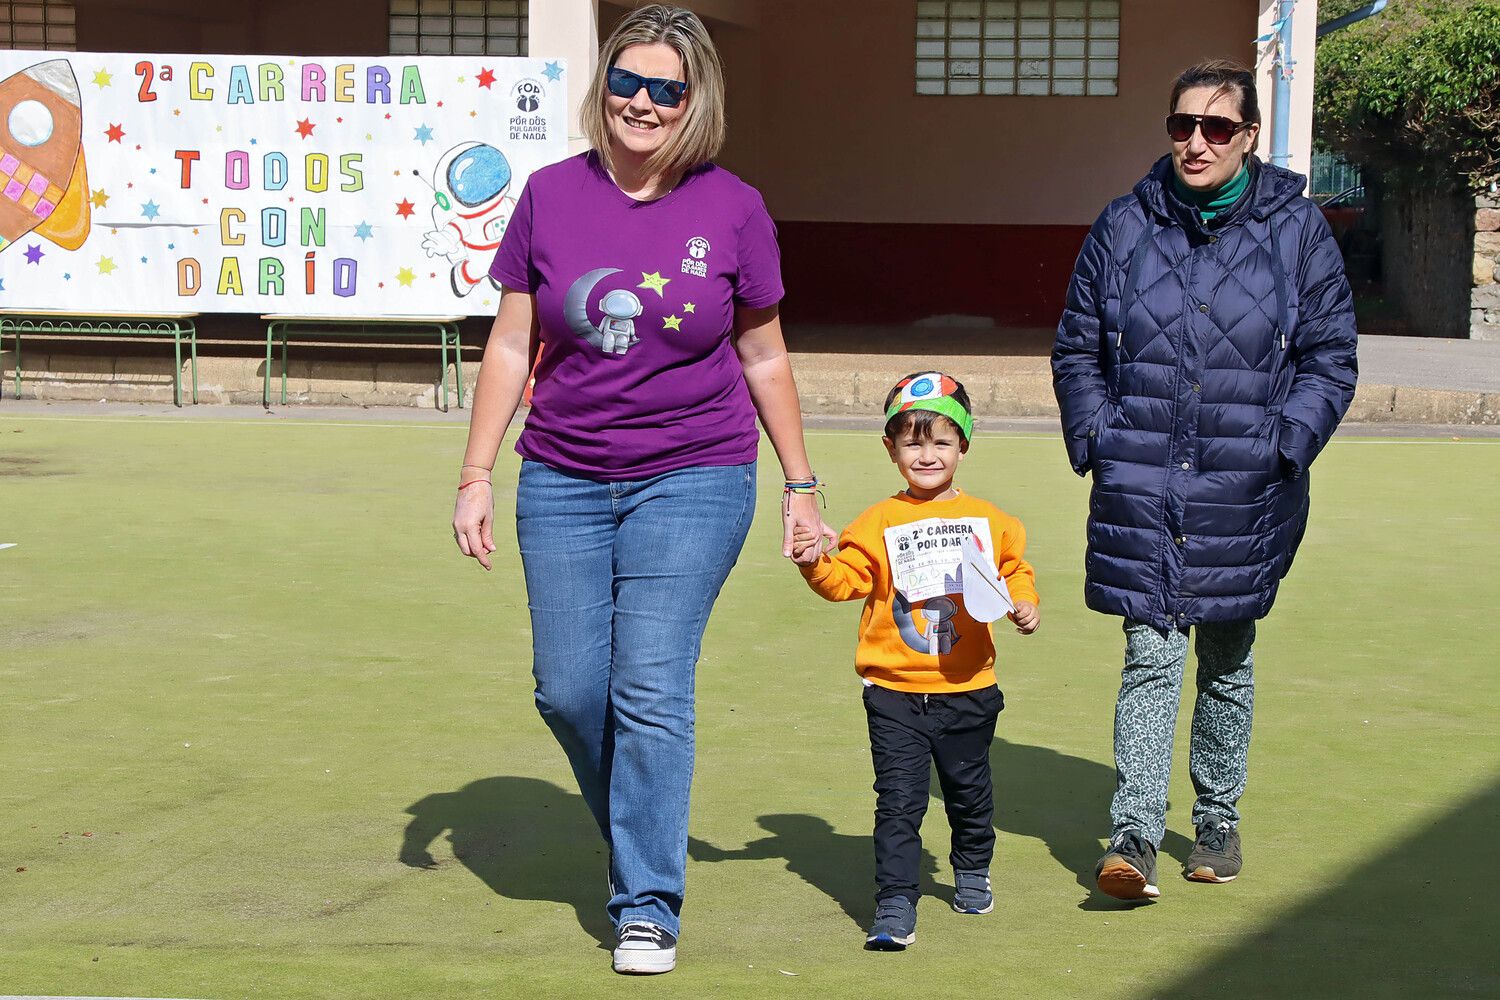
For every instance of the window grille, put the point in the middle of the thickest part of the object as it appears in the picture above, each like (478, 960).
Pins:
(39, 24)
(459, 27)
(1018, 47)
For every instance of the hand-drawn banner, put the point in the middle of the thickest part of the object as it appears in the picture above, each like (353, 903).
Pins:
(343, 186)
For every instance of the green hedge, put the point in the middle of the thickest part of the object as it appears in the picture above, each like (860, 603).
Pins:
(1415, 91)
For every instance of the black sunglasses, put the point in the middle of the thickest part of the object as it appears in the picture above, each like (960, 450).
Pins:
(667, 93)
(1216, 128)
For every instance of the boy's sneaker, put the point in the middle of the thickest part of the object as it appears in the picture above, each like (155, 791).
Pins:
(645, 949)
(1128, 868)
(1216, 855)
(895, 925)
(971, 891)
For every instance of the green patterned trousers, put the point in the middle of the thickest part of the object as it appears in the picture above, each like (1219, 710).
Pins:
(1146, 719)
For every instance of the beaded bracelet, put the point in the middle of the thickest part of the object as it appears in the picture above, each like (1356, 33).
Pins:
(812, 486)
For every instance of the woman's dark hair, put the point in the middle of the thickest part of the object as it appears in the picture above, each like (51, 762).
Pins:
(1225, 76)
(921, 422)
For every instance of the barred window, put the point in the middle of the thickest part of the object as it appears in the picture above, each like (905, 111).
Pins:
(459, 27)
(40, 24)
(1026, 47)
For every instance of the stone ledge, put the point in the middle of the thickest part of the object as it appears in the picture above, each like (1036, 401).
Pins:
(1002, 387)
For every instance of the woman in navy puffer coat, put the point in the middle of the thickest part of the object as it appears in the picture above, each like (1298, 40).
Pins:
(1205, 357)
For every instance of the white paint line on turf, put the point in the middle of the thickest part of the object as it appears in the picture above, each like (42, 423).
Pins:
(7, 545)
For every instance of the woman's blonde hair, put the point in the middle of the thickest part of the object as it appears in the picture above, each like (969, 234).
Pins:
(699, 134)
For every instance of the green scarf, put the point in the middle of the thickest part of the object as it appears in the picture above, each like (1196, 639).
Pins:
(1212, 203)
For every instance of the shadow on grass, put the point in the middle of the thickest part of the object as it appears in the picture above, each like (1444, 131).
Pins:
(1053, 797)
(1418, 920)
(1063, 801)
(838, 864)
(524, 838)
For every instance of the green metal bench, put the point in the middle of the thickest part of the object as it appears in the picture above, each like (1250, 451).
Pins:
(41, 322)
(309, 327)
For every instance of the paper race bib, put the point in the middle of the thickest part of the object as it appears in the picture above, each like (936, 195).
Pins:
(926, 555)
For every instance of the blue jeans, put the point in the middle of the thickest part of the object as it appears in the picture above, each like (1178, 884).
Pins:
(620, 578)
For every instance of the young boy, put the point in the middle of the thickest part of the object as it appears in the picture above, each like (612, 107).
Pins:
(928, 666)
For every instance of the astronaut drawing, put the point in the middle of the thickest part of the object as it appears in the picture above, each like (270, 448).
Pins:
(939, 636)
(470, 212)
(616, 333)
(620, 308)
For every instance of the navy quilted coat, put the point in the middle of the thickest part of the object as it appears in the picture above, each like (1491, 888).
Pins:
(1200, 370)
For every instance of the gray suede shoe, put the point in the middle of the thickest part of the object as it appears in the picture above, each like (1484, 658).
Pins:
(1128, 868)
(1216, 854)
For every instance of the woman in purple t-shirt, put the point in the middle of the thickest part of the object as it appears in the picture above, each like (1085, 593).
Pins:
(653, 277)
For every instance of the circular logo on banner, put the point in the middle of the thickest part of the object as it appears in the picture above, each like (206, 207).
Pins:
(528, 95)
(922, 387)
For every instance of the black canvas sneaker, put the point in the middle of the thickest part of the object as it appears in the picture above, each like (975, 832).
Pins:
(645, 949)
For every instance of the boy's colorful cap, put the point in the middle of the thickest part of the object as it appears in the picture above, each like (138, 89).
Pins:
(932, 391)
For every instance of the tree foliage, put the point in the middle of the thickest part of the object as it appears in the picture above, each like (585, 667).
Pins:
(1415, 91)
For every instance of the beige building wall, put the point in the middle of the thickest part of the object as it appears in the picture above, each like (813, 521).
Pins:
(844, 138)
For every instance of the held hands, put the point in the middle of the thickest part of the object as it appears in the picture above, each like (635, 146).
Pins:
(474, 520)
(1026, 616)
(807, 545)
(800, 519)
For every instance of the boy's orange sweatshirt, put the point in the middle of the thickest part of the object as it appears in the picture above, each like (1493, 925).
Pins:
(896, 637)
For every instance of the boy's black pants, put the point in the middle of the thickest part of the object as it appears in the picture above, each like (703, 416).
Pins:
(908, 733)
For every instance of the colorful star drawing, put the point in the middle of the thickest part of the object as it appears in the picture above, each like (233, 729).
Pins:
(405, 277)
(487, 79)
(34, 254)
(404, 208)
(654, 281)
(305, 127)
(424, 134)
(151, 210)
(553, 72)
(115, 132)
(689, 307)
(363, 231)
(105, 265)
(671, 323)
(102, 78)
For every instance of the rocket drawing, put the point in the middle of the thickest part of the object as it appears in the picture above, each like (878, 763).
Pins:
(43, 183)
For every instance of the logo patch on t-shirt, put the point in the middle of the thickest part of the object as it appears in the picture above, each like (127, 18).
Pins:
(696, 263)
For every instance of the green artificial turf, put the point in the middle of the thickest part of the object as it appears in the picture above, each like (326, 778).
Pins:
(251, 691)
